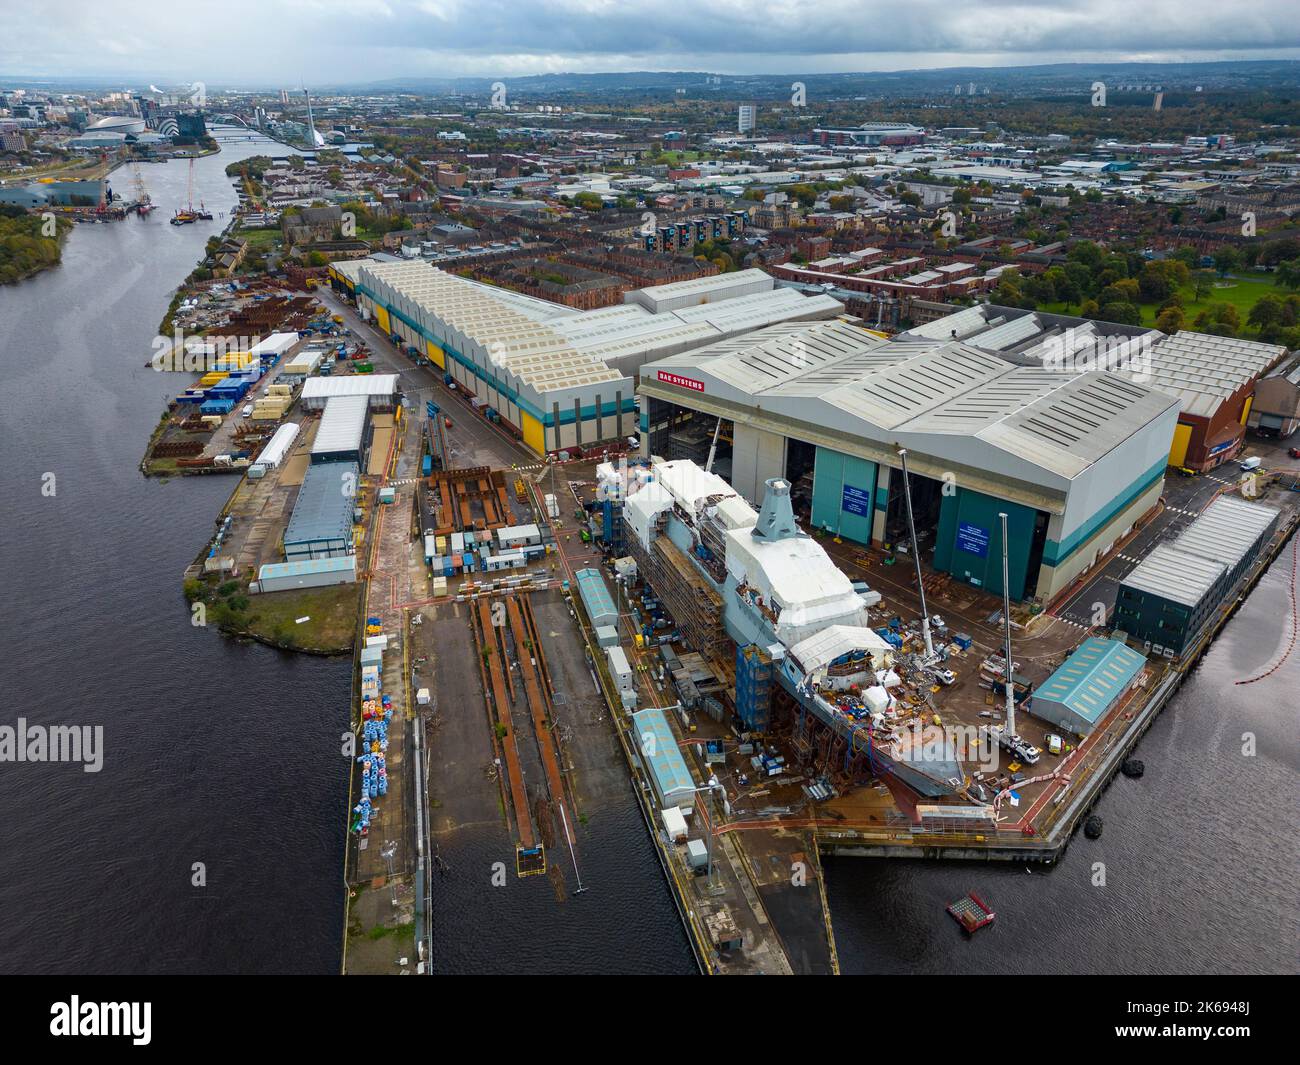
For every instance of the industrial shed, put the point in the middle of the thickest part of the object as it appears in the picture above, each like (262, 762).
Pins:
(673, 783)
(1091, 681)
(380, 390)
(1276, 410)
(1074, 458)
(1214, 378)
(344, 433)
(306, 573)
(561, 377)
(1168, 598)
(321, 523)
(596, 599)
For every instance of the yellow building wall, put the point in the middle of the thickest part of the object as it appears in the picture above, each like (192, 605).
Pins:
(1182, 437)
(436, 353)
(381, 319)
(534, 435)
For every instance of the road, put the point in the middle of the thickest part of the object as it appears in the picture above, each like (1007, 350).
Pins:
(1184, 498)
(473, 440)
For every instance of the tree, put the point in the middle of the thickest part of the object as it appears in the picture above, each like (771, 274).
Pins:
(1266, 312)
(1170, 320)
(1288, 274)
(1225, 259)
(1153, 283)
(1121, 312)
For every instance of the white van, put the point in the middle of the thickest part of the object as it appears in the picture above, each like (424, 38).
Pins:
(247, 412)
(1252, 463)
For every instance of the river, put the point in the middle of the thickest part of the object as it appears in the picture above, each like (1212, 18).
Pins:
(1199, 857)
(215, 752)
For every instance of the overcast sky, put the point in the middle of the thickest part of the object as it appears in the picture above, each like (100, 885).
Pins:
(232, 43)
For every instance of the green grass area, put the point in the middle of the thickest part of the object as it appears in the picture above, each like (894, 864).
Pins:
(260, 239)
(677, 158)
(333, 613)
(331, 627)
(1242, 292)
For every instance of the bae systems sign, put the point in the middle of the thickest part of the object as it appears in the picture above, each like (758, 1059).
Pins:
(681, 382)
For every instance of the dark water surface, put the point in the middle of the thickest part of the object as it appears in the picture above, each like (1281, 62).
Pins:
(1200, 854)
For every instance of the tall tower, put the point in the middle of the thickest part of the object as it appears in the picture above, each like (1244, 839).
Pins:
(314, 137)
(747, 118)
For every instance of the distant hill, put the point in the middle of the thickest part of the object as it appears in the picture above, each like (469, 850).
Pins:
(1254, 74)
(1020, 80)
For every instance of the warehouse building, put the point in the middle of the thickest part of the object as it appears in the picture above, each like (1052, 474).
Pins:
(381, 390)
(1073, 458)
(673, 783)
(345, 431)
(1213, 378)
(321, 523)
(306, 573)
(278, 447)
(562, 378)
(1276, 410)
(596, 598)
(1168, 599)
(1088, 684)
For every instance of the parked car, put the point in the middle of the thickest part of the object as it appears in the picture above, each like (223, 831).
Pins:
(1294, 452)
(247, 412)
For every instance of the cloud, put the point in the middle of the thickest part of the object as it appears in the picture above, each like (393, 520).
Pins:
(339, 41)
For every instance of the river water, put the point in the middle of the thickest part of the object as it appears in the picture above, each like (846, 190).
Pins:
(1199, 856)
(215, 752)
(226, 754)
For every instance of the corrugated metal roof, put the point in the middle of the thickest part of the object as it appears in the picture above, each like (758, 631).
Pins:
(955, 326)
(595, 595)
(1187, 567)
(659, 747)
(1059, 419)
(1227, 529)
(303, 566)
(1176, 575)
(1203, 370)
(1092, 678)
(1009, 334)
(323, 509)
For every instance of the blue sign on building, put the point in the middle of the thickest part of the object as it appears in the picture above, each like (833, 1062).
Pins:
(973, 539)
(856, 501)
